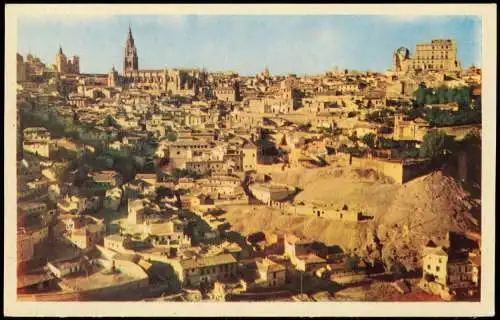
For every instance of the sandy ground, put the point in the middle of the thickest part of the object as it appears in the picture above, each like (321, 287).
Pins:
(246, 219)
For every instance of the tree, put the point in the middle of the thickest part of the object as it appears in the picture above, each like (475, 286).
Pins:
(369, 139)
(430, 99)
(354, 136)
(463, 97)
(420, 94)
(125, 166)
(441, 95)
(437, 145)
(450, 95)
(109, 121)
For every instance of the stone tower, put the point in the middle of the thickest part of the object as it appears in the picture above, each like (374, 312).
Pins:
(76, 64)
(61, 61)
(65, 65)
(113, 80)
(130, 60)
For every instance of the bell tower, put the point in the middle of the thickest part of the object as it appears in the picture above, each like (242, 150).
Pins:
(130, 60)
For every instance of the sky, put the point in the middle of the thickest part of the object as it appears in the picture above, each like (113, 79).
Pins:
(301, 44)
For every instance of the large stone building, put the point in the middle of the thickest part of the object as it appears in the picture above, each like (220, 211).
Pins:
(21, 68)
(411, 130)
(446, 272)
(65, 65)
(37, 141)
(438, 55)
(30, 68)
(176, 81)
(206, 269)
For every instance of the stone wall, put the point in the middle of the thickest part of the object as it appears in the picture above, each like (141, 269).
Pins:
(399, 171)
(231, 202)
(316, 211)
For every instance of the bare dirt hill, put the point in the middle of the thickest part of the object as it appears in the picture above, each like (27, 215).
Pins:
(425, 208)
(246, 220)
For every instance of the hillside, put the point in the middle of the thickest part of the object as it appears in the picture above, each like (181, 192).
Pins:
(405, 216)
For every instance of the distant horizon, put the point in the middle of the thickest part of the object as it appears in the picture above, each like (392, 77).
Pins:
(301, 45)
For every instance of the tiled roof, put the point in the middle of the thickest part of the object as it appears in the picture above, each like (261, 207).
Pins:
(207, 261)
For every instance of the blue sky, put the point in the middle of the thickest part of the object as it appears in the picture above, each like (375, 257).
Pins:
(286, 44)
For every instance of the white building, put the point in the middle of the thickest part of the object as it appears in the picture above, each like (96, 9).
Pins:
(268, 193)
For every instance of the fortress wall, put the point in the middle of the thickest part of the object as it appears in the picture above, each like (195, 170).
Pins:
(415, 170)
(399, 171)
(315, 211)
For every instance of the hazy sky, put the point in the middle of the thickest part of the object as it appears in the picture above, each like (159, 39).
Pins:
(245, 44)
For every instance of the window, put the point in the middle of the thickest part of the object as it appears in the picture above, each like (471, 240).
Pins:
(437, 268)
(428, 267)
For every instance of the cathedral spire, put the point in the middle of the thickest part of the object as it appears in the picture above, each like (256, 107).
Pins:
(130, 61)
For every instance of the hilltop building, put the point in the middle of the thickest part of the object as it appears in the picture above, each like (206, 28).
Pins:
(176, 81)
(438, 55)
(65, 65)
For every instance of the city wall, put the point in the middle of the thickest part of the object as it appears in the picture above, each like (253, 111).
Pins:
(399, 171)
(316, 211)
(231, 202)
(459, 132)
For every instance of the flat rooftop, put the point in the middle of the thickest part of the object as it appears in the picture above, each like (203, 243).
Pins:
(100, 279)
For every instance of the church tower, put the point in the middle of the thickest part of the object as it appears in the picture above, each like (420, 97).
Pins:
(61, 61)
(130, 60)
(113, 79)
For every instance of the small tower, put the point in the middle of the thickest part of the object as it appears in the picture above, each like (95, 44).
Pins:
(266, 72)
(113, 80)
(76, 65)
